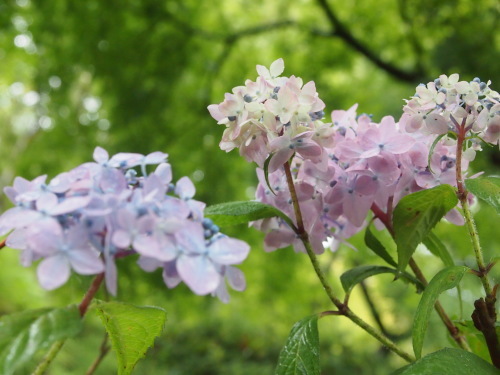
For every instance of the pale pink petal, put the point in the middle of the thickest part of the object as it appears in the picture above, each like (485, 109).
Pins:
(277, 67)
(280, 158)
(436, 123)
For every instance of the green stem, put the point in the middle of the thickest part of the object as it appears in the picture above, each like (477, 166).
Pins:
(469, 220)
(54, 349)
(343, 308)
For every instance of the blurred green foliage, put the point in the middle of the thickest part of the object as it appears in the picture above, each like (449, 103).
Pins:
(137, 76)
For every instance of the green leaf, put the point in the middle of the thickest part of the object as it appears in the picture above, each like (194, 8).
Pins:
(131, 329)
(475, 338)
(23, 334)
(373, 243)
(300, 355)
(445, 279)
(486, 188)
(436, 247)
(449, 361)
(354, 276)
(416, 215)
(233, 213)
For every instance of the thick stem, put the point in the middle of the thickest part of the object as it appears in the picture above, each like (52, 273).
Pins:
(343, 308)
(83, 306)
(452, 329)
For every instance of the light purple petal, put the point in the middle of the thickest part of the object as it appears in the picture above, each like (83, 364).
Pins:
(228, 251)
(164, 173)
(53, 272)
(149, 264)
(185, 188)
(111, 275)
(170, 275)
(85, 262)
(101, 156)
(70, 204)
(121, 239)
(199, 273)
(236, 278)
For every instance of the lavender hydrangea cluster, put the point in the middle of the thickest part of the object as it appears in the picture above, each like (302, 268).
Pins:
(346, 168)
(82, 220)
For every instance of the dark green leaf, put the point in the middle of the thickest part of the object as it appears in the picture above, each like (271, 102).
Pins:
(300, 355)
(131, 329)
(416, 215)
(354, 276)
(233, 213)
(449, 361)
(23, 334)
(445, 279)
(486, 188)
(373, 243)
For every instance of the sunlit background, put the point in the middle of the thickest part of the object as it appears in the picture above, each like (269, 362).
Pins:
(137, 76)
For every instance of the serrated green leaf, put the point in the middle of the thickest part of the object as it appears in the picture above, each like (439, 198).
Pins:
(486, 188)
(23, 334)
(131, 329)
(373, 243)
(449, 361)
(445, 279)
(300, 355)
(355, 275)
(415, 216)
(233, 213)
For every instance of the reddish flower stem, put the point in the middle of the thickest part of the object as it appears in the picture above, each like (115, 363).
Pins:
(94, 287)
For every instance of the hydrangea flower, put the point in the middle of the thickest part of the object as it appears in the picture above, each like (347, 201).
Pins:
(84, 219)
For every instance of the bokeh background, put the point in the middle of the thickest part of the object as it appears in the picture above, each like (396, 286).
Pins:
(137, 76)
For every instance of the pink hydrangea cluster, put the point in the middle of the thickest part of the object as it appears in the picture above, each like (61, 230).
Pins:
(82, 220)
(447, 104)
(341, 170)
(274, 114)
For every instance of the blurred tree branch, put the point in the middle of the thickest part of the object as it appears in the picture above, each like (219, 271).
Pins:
(341, 31)
(338, 30)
